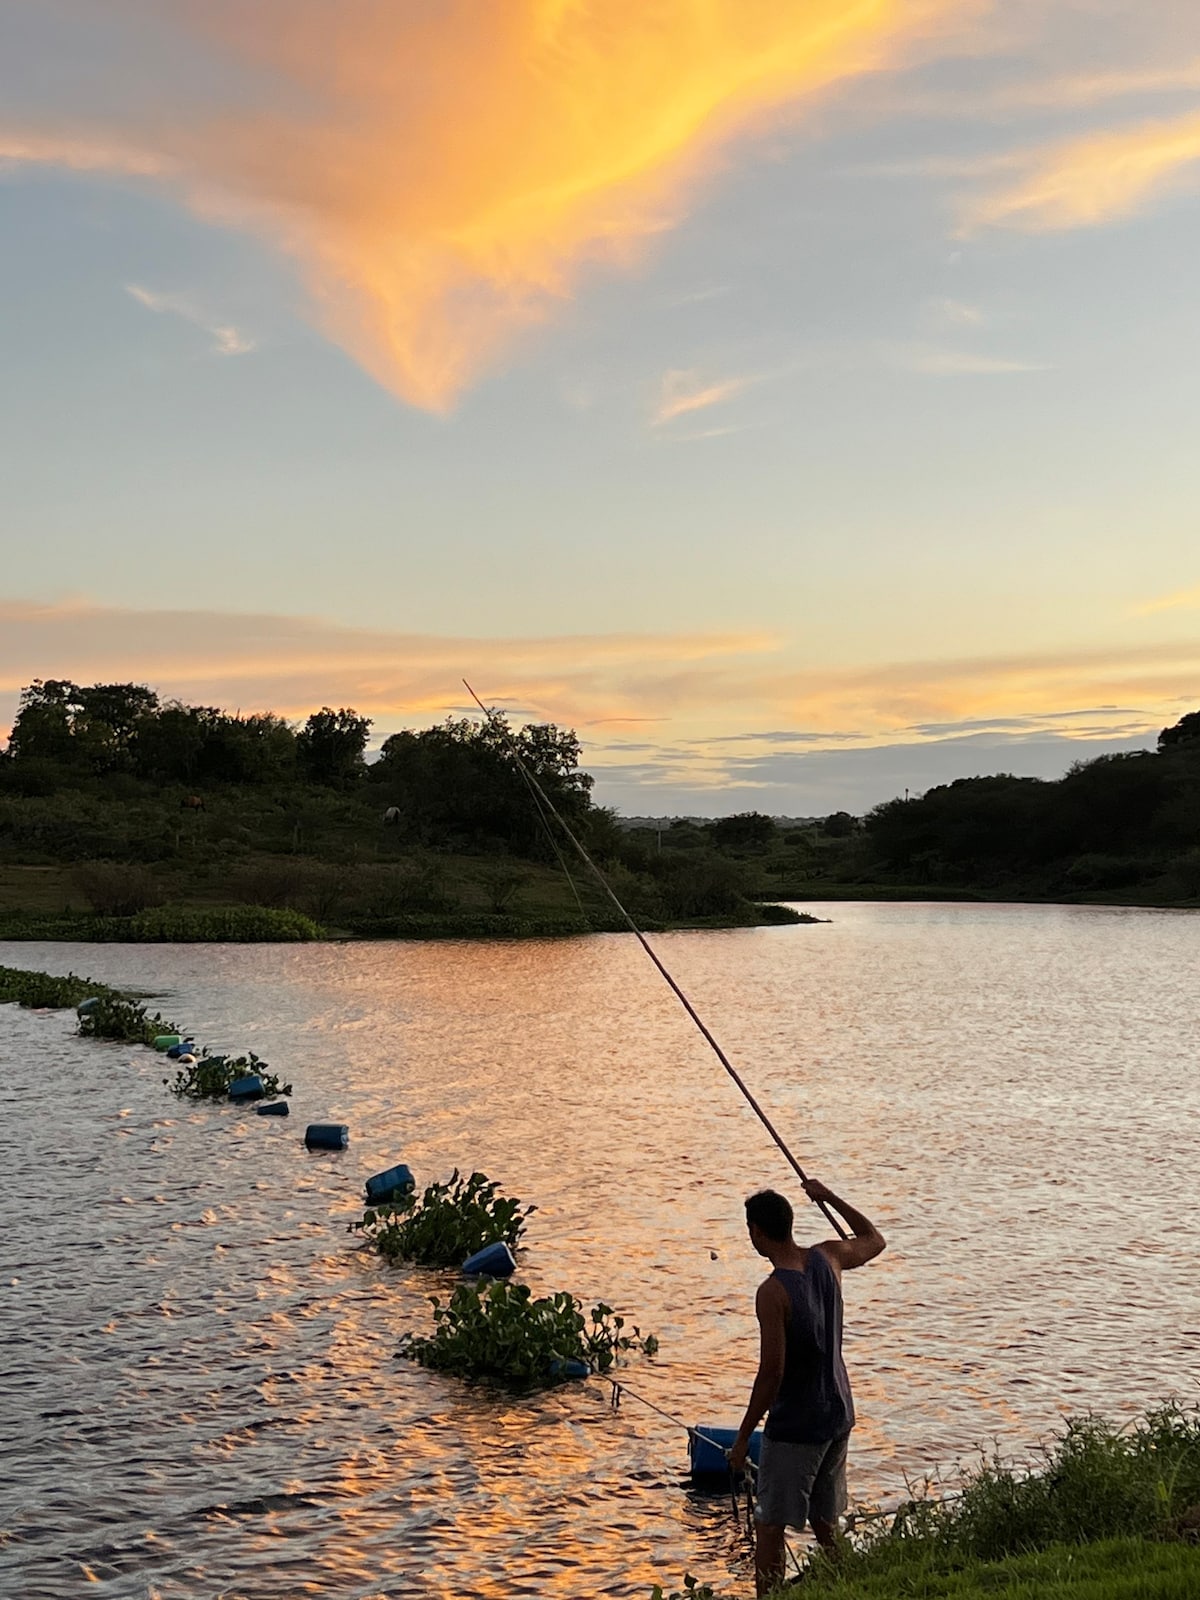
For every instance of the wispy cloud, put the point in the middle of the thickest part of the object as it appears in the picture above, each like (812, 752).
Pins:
(939, 363)
(443, 174)
(1105, 176)
(943, 312)
(227, 340)
(683, 392)
(1181, 600)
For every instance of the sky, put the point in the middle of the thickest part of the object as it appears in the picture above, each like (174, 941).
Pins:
(799, 398)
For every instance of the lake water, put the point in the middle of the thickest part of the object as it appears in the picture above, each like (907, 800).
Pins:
(200, 1394)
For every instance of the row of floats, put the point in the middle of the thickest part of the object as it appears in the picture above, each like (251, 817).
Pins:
(707, 1446)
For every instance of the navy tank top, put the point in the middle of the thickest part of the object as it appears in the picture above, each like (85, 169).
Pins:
(814, 1401)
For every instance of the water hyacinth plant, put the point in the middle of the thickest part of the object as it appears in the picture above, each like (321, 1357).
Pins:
(209, 1077)
(450, 1222)
(118, 1018)
(499, 1331)
(42, 990)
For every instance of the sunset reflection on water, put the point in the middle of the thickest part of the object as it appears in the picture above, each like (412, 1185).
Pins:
(202, 1394)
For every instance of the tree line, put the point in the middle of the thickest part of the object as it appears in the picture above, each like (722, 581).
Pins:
(1110, 823)
(455, 784)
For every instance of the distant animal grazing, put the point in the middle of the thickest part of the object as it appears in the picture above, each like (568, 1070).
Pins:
(192, 802)
(391, 815)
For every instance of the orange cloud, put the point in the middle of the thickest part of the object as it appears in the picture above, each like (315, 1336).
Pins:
(1103, 177)
(695, 686)
(442, 173)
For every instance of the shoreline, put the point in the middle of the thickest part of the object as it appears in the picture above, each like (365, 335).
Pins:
(268, 925)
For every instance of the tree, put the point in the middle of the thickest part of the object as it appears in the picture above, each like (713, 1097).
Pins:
(1185, 731)
(458, 784)
(742, 829)
(45, 712)
(331, 745)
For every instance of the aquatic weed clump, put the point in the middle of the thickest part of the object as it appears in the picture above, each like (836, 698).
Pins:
(450, 1222)
(44, 991)
(125, 1020)
(499, 1331)
(210, 1077)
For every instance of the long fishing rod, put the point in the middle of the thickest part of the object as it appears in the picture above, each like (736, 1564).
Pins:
(545, 800)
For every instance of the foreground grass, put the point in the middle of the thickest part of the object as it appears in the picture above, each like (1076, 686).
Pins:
(1112, 1569)
(1107, 1513)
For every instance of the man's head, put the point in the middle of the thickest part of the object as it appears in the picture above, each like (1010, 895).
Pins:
(769, 1219)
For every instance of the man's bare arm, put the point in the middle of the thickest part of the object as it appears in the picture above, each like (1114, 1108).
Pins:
(771, 1308)
(867, 1241)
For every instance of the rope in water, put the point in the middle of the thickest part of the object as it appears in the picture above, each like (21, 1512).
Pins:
(542, 799)
(620, 1390)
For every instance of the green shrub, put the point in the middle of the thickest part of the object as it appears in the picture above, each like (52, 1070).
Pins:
(229, 925)
(500, 1331)
(209, 1077)
(114, 890)
(450, 1222)
(772, 915)
(167, 925)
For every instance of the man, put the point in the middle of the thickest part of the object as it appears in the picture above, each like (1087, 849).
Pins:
(801, 1376)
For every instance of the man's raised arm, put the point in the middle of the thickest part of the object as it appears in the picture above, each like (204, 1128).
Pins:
(867, 1242)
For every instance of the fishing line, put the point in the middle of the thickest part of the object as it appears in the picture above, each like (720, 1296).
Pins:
(536, 788)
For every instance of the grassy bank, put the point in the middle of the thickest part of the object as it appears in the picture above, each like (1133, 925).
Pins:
(1112, 1569)
(298, 900)
(1104, 1513)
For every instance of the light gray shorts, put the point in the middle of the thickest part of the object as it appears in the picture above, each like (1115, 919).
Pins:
(799, 1481)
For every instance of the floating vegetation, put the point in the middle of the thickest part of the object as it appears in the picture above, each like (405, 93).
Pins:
(118, 1018)
(113, 1015)
(500, 1331)
(450, 1222)
(210, 1077)
(44, 990)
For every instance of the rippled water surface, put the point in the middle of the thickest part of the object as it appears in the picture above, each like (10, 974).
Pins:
(200, 1395)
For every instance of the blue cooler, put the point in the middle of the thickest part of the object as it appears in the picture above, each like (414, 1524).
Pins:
(494, 1261)
(707, 1459)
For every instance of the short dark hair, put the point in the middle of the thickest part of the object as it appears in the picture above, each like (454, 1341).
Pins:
(770, 1212)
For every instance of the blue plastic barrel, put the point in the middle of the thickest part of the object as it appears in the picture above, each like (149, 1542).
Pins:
(707, 1458)
(327, 1136)
(185, 1047)
(248, 1088)
(274, 1108)
(385, 1185)
(568, 1369)
(86, 1007)
(496, 1260)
